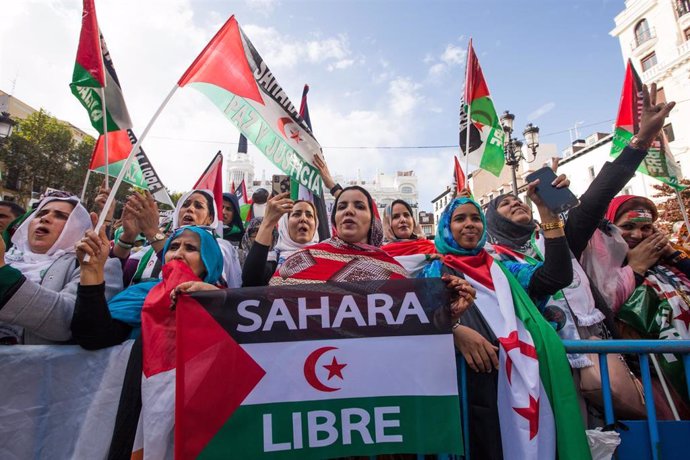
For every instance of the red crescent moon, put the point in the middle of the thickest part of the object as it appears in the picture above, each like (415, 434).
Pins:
(310, 369)
(281, 124)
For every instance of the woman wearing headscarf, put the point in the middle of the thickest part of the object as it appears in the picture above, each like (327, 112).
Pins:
(249, 238)
(356, 245)
(140, 215)
(403, 239)
(40, 273)
(233, 228)
(520, 368)
(296, 222)
(648, 279)
(192, 262)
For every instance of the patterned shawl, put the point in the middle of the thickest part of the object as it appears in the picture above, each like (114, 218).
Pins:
(339, 261)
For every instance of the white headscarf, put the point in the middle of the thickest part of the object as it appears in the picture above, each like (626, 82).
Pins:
(32, 265)
(286, 246)
(216, 224)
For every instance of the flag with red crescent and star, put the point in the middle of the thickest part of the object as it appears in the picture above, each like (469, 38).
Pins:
(315, 371)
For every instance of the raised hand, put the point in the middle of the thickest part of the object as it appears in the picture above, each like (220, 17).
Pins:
(321, 165)
(647, 252)
(653, 116)
(97, 247)
(145, 211)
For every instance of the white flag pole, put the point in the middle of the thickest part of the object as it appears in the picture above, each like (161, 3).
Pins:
(86, 181)
(105, 136)
(683, 211)
(130, 158)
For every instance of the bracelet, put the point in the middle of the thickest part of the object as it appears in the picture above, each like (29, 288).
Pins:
(128, 243)
(637, 144)
(124, 245)
(456, 325)
(553, 225)
(335, 188)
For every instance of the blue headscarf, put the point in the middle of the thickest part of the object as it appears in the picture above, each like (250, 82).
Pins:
(445, 243)
(126, 306)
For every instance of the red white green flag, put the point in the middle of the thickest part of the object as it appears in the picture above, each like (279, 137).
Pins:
(315, 372)
(212, 179)
(94, 70)
(659, 162)
(486, 134)
(140, 174)
(232, 74)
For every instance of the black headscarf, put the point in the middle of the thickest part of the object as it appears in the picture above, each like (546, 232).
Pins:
(235, 231)
(504, 231)
(375, 235)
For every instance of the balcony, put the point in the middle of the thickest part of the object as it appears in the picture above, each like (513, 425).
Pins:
(643, 42)
(682, 7)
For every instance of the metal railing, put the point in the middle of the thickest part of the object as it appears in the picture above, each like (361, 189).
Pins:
(643, 348)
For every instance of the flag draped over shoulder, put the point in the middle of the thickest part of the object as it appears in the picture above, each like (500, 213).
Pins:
(230, 72)
(659, 162)
(486, 133)
(313, 371)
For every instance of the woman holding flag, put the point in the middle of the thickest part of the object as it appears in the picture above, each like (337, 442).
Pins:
(522, 401)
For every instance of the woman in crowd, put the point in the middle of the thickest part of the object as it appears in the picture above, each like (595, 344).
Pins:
(297, 223)
(249, 238)
(140, 215)
(192, 261)
(504, 316)
(233, 229)
(40, 273)
(403, 238)
(647, 280)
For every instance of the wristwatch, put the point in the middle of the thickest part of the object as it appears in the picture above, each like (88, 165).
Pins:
(157, 237)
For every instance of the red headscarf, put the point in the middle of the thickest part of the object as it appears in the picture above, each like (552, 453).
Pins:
(618, 201)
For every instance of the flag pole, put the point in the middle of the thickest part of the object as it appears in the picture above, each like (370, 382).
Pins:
(105, 136)
(467, 140)
(130, 158)
(683, 211)
(86, 181)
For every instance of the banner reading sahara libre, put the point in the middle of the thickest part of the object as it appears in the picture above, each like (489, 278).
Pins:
(236, 79)
(659, 162)
(316, 371)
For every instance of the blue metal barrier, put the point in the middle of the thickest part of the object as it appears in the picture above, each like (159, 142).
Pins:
(643, 348)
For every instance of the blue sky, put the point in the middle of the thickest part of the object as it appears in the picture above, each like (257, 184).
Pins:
(382, 73)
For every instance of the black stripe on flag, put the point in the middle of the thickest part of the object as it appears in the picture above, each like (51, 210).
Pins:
(312, 311)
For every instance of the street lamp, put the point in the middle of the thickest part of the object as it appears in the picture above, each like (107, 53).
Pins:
(6, 125)
(512, 148)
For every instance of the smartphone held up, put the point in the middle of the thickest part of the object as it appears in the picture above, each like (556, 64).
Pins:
(558, 200)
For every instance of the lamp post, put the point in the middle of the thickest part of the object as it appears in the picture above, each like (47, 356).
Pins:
(512, 147)
(6, 125)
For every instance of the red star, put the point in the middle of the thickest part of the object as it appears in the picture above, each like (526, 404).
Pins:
(294, 135)
(684, 317)
(511, 342)
(531, 413)
(334, 369)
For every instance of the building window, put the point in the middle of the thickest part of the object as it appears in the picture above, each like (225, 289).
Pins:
(648, 61)
(642, 32)
(406, 189)
(668, 131)
(591, 172)
(686, 34)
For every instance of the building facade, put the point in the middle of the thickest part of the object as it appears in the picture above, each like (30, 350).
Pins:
(428, 224)
(655, 36)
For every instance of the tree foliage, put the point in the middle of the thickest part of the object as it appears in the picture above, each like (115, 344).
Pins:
(42, 152)
(669, 209)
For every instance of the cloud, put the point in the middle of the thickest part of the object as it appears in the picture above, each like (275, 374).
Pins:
(541, 111)
(451, 56)
(404, 96)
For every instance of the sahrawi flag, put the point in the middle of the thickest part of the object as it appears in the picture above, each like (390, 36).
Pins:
(315, 371)
(659, 162)
(486, 134)
(140, 174)
(94, 72)
(230, 72)
(538, 411)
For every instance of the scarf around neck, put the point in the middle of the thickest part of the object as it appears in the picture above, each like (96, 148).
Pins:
(504, 231)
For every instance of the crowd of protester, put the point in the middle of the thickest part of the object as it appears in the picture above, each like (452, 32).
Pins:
(582, 272)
